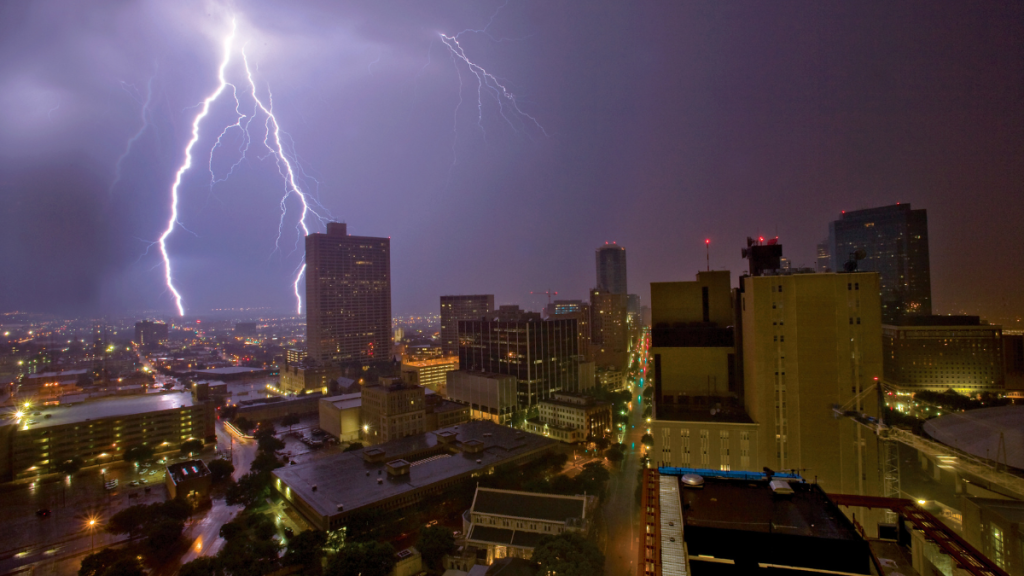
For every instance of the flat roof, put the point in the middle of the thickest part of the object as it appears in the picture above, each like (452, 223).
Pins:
(110, 407)
(345, 401)
(346, 479)
(515, 504)
(229, 370)
(752, 506)
(187, 470)
(448, 406)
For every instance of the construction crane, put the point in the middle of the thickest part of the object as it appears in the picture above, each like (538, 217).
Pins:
(982, 471)
(549, 294)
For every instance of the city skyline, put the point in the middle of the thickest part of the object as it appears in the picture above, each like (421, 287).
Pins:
(843, 119)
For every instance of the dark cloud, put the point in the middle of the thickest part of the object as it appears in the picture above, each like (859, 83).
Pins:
(668, 122)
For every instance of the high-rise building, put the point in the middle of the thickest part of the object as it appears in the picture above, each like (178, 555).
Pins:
(348, 297)
(940, 353)
(894, 240)
(579, 310)
(823, 262)
(611, 268)
(148, 333)
(455, 308)
(812, 342)
(542, 354)
(609, 334)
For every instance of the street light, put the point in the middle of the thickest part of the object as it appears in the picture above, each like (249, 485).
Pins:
(92, 530)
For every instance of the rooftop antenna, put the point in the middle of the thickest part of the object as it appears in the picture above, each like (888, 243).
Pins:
(707, 246)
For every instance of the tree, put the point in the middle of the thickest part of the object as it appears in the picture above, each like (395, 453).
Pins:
(306, 549)
(162, 537)
(264, 462)
(363, 559)
(129, 521)
(202, 566)
(269, 444)
(250, 489)
(352, 447)
(290, 420)
(220, 469)
(96, 564)
(647, 440)
(568, 554)
(190, 446)
(126, 566)
(138, 454)
(614, 455)
(70, 467)
(434, 542)
(249, 548)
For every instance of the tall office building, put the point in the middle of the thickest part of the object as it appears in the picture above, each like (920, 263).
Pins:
(823, 262)
(609, 334)
(348, 297)
(455, 308)
(541, 354)
(580, 311)
(811, 342)
(895, 244)
(149, 333)
(611, 268)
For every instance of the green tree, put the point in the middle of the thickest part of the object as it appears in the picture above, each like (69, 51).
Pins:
(353, 446)
(129, 521)
(647, 440)
(190, 446)
(290, 420)
(269, 444)
(126, 566)
(249, 548)
(220, 469)
(568, 554)
(306, 549)
(202, 566)
(614, 455)
(162, 537)
(264, 462)
(70, 467)
(363, 559)
(250, 489)
(138, 454)
(96, 564)
(434, 542)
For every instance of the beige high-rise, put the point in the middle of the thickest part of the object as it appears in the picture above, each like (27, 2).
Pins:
(811, 342)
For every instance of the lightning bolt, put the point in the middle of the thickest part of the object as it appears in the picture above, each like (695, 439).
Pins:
(138, 134)
(172, 221)
(274, 140)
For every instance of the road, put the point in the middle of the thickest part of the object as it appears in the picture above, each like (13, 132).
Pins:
(621, 516)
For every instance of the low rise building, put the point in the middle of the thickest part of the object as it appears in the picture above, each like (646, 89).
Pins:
(489, 396)
(709, 436)
(429, 373)
(397, 474)
(189, 480)
(99, 431)
(940, 353)
(341, 416)
(392, 409)
(443, 413)
(510, 524)
(572, 418)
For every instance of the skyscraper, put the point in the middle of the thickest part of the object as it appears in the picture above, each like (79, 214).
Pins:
(541, 354)
(348, 297)
(895, 244)
(455, 308)
(609, 334)
(611, 268)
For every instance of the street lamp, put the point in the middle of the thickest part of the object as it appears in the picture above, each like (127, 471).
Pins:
(92, 530)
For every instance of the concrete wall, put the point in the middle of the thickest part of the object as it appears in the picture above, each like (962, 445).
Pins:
(703, 445)
(683, 302)
(694, 371)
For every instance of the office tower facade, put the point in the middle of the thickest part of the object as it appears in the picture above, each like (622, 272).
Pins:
(455, 308)
(609, 334)
(348, 297)
(895, 244)
(611, 268)
(149, 333)
(823, 262)
(939, 353)
(811, 342)
(543, 355)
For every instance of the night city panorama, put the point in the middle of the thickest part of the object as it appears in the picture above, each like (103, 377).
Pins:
(511, 287)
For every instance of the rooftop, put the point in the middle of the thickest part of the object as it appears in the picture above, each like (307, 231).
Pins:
(111, 407)
(347, 480)
(690, 413)
(229, 370)
(345, 401)
(514, 504)
(504, 536)
(187, 470)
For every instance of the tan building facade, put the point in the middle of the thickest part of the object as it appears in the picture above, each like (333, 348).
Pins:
(810, 342)
(571, 418)
(392, 410)
(430, 373)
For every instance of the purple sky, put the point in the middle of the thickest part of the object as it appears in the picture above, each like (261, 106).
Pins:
(667, 123)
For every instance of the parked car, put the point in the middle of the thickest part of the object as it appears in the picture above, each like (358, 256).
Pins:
(43, 512)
